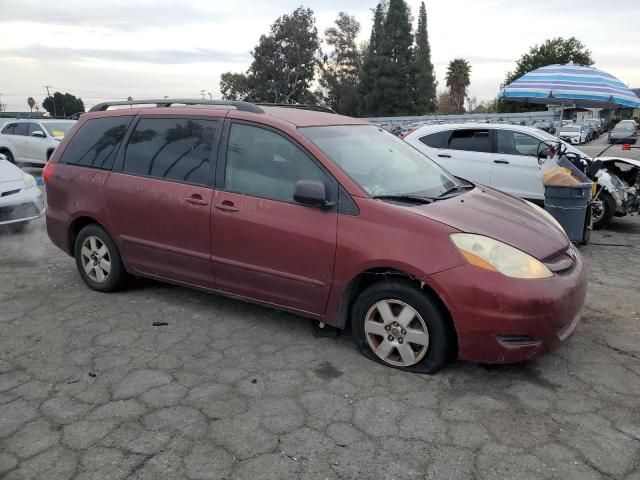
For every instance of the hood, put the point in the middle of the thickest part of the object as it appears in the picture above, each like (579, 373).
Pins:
(629, 161)
(497, 215)
(9, 172)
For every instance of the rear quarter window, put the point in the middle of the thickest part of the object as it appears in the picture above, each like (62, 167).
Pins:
(96, 143)
(436, 140)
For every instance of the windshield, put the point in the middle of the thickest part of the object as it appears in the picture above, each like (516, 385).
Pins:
(623, 127)
(569, 129)
(379, 162)
(58, 129)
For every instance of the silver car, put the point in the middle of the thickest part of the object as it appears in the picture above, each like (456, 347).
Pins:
(20, 198)
(32, 140)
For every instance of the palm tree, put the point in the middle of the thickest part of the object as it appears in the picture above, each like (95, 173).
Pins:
(31, 102)
(458, 79)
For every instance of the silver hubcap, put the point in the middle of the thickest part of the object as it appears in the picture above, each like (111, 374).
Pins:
(96, 260)
(396, 333)
(597, 210)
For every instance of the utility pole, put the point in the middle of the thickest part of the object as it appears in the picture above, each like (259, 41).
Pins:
(210, 96)
(55, 114)
(1, 109)
(202, 92)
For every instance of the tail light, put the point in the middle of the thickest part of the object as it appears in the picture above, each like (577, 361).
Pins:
(47, 172)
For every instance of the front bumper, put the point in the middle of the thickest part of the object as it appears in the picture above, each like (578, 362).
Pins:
(20, 204)
(506, 320)
(571, 140)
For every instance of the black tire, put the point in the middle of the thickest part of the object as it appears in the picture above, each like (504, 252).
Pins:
(609, 205)
(9, 156)
(117, 275)
(18, 227)
(440, 332)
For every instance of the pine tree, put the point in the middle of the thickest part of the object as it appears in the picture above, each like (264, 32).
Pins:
(369, 73)
(425, 77)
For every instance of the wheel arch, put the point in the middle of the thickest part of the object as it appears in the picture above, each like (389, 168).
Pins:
(373, 275)
(78, 224)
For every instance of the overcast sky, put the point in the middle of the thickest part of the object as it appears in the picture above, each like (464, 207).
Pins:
(150, 48)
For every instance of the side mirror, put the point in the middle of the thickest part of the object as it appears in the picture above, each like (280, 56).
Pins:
(311, 193)
(38, 133)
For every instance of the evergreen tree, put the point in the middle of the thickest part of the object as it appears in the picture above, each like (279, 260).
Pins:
(425, 77)
(369, 74)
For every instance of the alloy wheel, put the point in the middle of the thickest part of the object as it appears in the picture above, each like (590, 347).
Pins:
(396, 333)
(96, 260)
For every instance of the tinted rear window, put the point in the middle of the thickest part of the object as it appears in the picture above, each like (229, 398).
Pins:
(173, 148)
(21, 129)
(436, 140)
(470, 140)
(96, 143)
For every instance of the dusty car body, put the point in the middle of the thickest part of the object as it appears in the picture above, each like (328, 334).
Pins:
(20, 198)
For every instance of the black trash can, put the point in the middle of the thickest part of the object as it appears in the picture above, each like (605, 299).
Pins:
(570, 206)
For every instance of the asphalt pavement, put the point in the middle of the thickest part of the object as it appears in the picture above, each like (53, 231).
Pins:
(162, 382)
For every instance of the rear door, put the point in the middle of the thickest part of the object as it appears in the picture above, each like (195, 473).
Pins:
(468, 155)
(159, 197)
(273, 249)
(515, 166)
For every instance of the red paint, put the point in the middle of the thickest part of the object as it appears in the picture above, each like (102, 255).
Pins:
(303, 259)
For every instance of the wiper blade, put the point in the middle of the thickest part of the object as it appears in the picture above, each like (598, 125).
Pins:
(405, 198)
(455, 189)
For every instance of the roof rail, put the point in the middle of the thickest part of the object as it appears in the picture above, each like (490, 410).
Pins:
(315, 108)
(167, 102)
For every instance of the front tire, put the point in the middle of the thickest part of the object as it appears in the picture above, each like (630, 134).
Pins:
(98, 260)
(400, 326)
(9, 156)
(604, 209)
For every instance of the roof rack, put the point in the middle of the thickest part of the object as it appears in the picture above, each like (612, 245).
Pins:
(315, 108)
(167, 102)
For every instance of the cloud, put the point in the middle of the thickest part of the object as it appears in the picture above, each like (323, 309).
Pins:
(162, 57)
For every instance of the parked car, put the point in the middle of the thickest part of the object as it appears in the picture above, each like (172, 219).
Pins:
(20, 198)
(574, 134)
(545, 125)
(319, 214)
(506, 158)
(596, 124)
(623, 132)
(32, 141)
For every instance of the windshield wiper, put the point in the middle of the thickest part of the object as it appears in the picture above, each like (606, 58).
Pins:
(405, 198)
(455, 189)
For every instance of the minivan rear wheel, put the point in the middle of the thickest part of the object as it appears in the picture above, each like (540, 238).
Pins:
(400, 326)
(98, 260)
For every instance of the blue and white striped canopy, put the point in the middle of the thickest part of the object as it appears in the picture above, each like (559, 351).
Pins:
(571, 85)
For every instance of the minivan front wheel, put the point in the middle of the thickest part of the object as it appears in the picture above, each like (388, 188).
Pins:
(400, 326)
(98, 260)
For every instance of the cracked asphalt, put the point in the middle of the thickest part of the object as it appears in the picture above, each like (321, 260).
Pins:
(91, 389)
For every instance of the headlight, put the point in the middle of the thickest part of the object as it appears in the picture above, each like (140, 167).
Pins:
(29, 180)
(547, 215)
(490, 254)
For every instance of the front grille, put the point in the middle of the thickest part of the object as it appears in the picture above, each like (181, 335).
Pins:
(18, 212)
(9, 192)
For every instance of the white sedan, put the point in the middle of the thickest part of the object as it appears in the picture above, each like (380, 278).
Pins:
(20, 198)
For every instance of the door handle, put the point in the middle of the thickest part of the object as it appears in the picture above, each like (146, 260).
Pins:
(504, 162)
(196, 199)
(442, 155)
(227, 206)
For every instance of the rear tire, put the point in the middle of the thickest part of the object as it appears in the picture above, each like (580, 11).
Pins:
(400, 326)
(98, 260)
(602, 218)
(9, 156)
(18, 227)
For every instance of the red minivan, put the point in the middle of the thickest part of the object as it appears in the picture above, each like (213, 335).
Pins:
(318, 214)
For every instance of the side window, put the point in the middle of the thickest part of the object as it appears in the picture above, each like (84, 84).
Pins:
(21, 128)
(436, 140)
(470, 140)
(8, 130)
(509, 142)
(173, 148)
(262, 163)
(96, 143)
(33, 127)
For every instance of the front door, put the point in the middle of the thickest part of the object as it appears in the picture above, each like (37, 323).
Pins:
(36, 147)
(515, 168)
(159, 198)
(271, 248)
